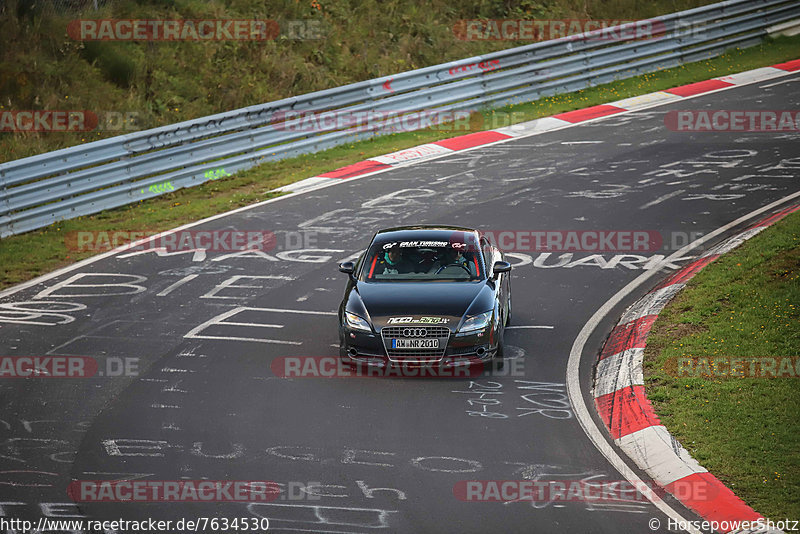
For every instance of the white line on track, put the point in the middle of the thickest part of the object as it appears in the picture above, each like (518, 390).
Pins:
(532, 326)
(256, 339)
(194, 333)
(581, 142)
(177, 284)
(284, 310)
(662, 198)
(261, 325)
(575, 393)
(778, 83)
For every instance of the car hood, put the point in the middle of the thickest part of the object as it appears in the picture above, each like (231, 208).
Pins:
(394, 303)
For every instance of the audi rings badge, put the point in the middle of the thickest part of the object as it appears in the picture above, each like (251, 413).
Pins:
(414, 332)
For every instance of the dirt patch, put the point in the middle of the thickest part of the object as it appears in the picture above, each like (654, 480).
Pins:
(681, 330)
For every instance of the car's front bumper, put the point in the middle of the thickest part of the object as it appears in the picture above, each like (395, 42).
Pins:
(363, 348)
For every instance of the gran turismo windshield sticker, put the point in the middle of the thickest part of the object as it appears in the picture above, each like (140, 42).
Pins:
(424, 244)
(417, 244)
(420, 320)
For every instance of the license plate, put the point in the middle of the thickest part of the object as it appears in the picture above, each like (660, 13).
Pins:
(415, 343)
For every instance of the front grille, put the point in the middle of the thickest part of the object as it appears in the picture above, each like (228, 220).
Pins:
(415, 332)
(430, 331)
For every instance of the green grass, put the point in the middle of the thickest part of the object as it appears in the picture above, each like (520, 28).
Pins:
(28, 255)
(42, 68)
(743, 430)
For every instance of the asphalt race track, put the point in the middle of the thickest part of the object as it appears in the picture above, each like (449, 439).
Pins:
(374, 455)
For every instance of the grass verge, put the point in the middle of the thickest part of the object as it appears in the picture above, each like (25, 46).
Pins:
(744, 430)
(29, 255)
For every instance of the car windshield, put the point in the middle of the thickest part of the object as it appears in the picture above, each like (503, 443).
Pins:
(422, 261)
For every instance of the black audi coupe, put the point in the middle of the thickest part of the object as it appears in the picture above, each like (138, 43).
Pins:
(425, 295)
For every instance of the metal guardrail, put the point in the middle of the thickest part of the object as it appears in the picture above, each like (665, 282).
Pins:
(85, 179)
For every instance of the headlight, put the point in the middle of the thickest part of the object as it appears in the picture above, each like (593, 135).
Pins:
(476, 322)
(356, 323)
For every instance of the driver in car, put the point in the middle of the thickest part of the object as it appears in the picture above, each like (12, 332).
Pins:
(452, 256)
(393, 262)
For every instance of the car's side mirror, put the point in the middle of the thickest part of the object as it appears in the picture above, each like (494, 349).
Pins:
(500, 267)
(347, 267)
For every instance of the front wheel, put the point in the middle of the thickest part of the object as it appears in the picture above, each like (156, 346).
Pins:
(342, 347)
(499, 355)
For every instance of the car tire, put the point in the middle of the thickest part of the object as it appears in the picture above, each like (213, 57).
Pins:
(499, 356)
(498, 361)
(342, 348)
(508, 311)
